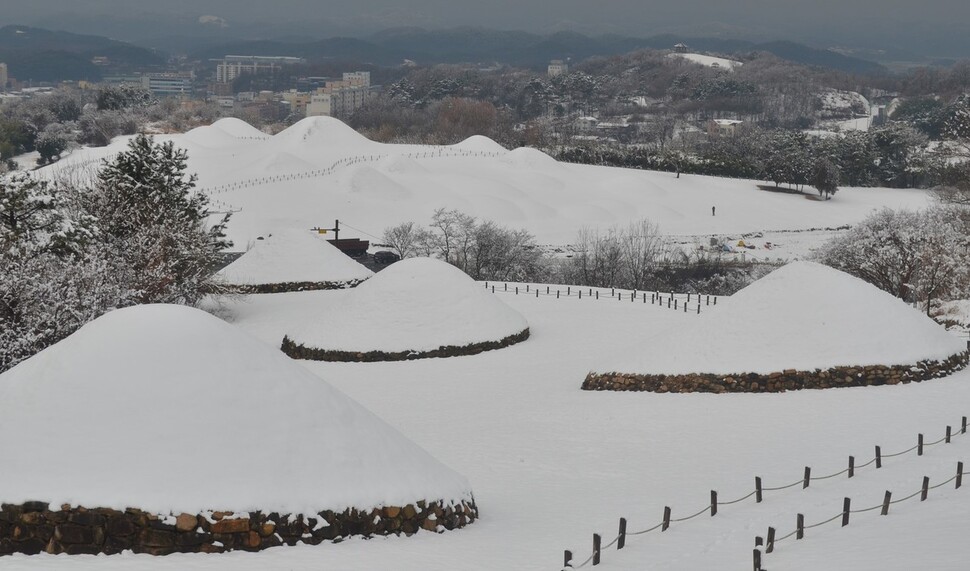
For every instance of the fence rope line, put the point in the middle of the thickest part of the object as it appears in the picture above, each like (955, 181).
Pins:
(706, 508)
(760, 488)
(753, 492)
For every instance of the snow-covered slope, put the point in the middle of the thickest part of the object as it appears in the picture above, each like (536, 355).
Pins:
(319, 170)
(802, 316)
(416, 304)
(709, 61)
(293, 256)
(169, 409)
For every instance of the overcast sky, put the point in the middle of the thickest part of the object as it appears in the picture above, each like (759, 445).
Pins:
(824, 21)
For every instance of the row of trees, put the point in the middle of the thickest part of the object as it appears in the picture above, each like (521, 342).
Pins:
(481, 248)
(136, 233)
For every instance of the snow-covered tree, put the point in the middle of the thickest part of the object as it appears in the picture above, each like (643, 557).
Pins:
(148, 210)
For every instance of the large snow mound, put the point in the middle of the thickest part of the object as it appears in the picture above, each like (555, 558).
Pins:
(417, 304)
(293, 256)
(321, 131)
(169, 409)
(803, 316)
(239, 128)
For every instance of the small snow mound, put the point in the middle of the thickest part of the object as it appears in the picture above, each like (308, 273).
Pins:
(321, 131)
(400, 164)
(239, 128)
(210, 137)
(417, 304)
(157, 386)
(528, 157)
(293, 256)
(803, 316)
(480, 144)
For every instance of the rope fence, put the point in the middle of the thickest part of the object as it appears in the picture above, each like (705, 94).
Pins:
(758, 493)
(684, 302)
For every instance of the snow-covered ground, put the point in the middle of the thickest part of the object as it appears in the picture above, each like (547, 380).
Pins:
(551, 464)
(320, 170)
(709, 61)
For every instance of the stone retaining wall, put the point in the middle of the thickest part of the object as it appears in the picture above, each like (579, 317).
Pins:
(292, 286)
(300, 351)
(787, 380)
(33, 527)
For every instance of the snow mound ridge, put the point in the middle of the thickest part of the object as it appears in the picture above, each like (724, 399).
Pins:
(418, 307)
(167, 393)
(528, 157)
(293, 260)
(239, 128)
(803, 316)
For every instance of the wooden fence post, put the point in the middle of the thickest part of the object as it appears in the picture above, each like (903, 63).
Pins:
(963, 425)
(666, 522)
(757, 560)
(799, 526)
(919, 445)
(926, 489)
(713, 503)
(846, 502)
(757, 489)
(959, 475)
(949, 432)
(808, 477)
(885, 503)
(770, 546)
(851, 466)
(878, 457)
(596, 548)
(621, 539)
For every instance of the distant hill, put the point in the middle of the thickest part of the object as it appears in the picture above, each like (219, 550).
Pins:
(481, 45)
(47, 56)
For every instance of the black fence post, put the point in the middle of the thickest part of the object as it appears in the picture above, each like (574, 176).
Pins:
(757, 489)
(567, 558)
(919, 445)
(757, 560)
(621, 539)
(949, 433)
(799, 526)
(878, 457)
(959, 475)
(926, 489)
(666, 522)
(845, 511)
(963, 426)
(771, 540)
(596, 548)
(808, 477)
(851, 466)
(885, 503)
(713, 503)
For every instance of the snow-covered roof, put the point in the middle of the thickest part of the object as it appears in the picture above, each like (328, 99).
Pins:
(290, 257)
(802, 316)
(417, 304)
(169, 409)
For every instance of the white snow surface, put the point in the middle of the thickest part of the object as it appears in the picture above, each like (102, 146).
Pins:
(552, 464)
(416, 304)
(293, 256)
(709, 61)
(320, 169)
(169, 409)
(802, 316)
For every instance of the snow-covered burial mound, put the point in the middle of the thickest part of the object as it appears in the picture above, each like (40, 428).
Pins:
(416, 308)
(295, 260)
(804, 325)
(172, 411)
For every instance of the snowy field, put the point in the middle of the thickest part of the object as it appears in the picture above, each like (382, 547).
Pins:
(551, 464)
(709, 61)
(320, 170)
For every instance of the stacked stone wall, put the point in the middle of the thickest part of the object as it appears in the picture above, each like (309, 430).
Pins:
(300, 351)
(34, 527)
(780, 381)
(292, 286)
